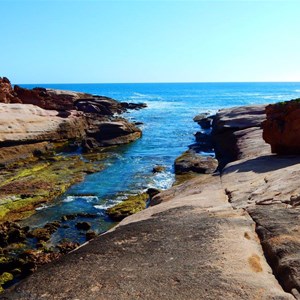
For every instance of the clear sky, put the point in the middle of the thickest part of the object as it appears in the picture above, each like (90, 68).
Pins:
(149, 41)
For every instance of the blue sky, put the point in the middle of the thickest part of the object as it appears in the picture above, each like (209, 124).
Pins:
(149, 41)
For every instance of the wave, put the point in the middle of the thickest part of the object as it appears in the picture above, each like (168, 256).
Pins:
(103, 206)
(86, 198)
(43, 206)
(140, 96)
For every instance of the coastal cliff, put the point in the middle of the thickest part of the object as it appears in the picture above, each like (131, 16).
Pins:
(228, 235)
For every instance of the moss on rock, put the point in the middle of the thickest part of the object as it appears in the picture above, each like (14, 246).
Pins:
(130, 206)
(4, 278)
(23, 188)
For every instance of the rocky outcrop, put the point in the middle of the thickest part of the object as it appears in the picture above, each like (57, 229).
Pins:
(104, 133)
(190, 161)
(129, 206)
(227, 124)
(63, 100)
(54, 115)
(21, 124)
(7, 95)
(204, 120)
(281, 129)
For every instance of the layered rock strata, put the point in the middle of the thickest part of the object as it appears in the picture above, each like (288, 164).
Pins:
(213, 237)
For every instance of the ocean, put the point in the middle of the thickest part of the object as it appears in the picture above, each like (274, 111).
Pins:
(168, 130)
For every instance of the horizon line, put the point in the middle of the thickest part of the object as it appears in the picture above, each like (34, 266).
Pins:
(162, 82)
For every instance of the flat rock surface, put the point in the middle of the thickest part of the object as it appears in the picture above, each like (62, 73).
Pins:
(211, 253)
(21, 123)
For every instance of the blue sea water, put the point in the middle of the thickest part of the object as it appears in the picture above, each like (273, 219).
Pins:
(168, 129)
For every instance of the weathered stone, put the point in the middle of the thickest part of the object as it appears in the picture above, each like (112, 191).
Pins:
(226, 123)
(90, 235)
(41, 234)
(7, 95)
(191, 161)
(204, 120)
(127, 105)
(66, 246)
(83, 225)
(131, 205)
(281, 129)
(158, 169)
(152, 192)
(15, 236)
(190, 243)
(25, 124)
(111, 133)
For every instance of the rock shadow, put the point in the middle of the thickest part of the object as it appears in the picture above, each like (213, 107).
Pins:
(263, 164)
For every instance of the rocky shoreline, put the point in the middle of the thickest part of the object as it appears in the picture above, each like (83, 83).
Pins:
(49, 140)
(230, 234)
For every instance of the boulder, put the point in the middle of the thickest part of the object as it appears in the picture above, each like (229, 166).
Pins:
(90, 235)
(111, 133)
(204, 120)
(41, 234)
(7, 95)
(158, 169)
(281, 129)
(26, 124)
(190, 161)
(227, 123)
(135, 106)
(152, 192)
(104, 106)
(130, 206)
(83, 225)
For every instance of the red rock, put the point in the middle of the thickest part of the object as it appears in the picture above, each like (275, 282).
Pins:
(7, 95)
(281, 129)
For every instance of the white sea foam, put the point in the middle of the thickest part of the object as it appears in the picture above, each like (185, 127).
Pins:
(140, 96)
(86, 198)
(102, 207)
(163, 180)
(43, 206)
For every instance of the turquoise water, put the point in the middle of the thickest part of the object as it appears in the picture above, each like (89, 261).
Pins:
(168, 129)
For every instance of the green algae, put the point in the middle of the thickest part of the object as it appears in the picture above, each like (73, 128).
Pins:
(23, 188)
(4, 278)
(25, 173)
(130, 206)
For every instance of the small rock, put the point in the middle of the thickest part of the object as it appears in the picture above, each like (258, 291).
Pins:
(204, 120)
(66, 247)
(191, 161)
(158, 169)
(130, 206)
(90, 235)
(152, 192)
(83, 225)
(68, 217)
(41, 234)
(87, 215)
(16, 236)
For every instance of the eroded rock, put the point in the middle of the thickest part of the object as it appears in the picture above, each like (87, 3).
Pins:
(281, 129)
(131, 205)
(191, 161)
